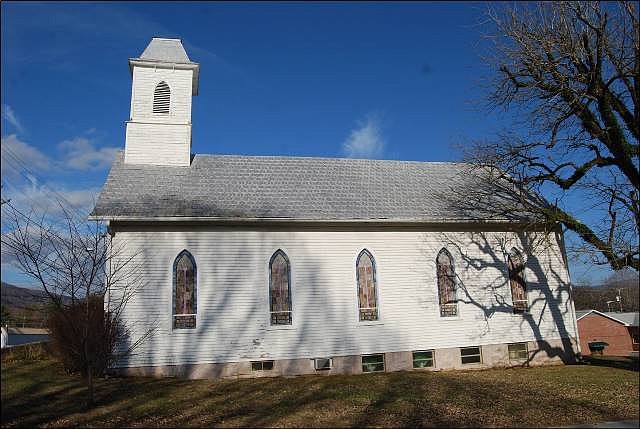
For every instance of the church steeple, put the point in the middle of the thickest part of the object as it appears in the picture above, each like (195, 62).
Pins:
(159, 129)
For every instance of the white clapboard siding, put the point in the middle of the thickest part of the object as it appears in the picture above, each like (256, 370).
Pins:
(160, 144)
(145, 80)
(232, 293)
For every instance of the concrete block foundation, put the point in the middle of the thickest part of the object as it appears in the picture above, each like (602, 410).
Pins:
(552, 352)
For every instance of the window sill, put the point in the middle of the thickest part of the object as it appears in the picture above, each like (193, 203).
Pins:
(425, 368)
(370, 323)
(184, 331)
(280, 328)
(451, 318)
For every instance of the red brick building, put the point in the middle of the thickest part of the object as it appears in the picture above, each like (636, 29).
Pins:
(618, 330)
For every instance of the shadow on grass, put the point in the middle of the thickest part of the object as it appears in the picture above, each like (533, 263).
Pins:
(620, 362)
(515, 397)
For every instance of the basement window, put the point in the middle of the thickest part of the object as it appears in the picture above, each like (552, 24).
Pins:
(262, 365)
(423, 359)
(470, 355)
(518, 351)
(323, 364)
(373, 363)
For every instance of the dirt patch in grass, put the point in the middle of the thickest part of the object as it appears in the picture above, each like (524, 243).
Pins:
(39, 393)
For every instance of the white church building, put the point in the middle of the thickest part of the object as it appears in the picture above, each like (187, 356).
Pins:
(278, 265)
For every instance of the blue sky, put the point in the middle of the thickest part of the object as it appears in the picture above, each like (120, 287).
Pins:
(383, 80)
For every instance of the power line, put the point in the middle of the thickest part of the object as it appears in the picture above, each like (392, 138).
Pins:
(81, 215)
(60, 198)
(52, 220)
(17, 160)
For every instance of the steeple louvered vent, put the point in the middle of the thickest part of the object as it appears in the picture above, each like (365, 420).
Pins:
(161, 98)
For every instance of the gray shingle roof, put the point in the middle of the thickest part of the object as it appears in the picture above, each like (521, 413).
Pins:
(580, 313)
(165, 50)
(229, 186)
(631, 319)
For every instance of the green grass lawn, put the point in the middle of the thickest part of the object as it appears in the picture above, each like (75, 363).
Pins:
(39, 393)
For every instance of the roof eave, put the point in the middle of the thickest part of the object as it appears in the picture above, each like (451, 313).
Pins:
(604, 315)
(113, 218)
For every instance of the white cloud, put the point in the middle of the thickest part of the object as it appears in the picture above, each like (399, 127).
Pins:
(51, 199)
(26, 172)
(44, 207)
(365, 141)
(17, 154)
(20, 158)
(9, 115)
(81, 153)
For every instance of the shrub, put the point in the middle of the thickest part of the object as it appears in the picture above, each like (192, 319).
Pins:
(83, 336)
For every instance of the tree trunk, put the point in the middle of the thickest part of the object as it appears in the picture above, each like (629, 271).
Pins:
(89, 380)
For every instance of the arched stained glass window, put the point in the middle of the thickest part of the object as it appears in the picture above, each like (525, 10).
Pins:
(367, 287)
(516, 281)
(184, 291)
(446, 284)
(161, 98)
(280, 289)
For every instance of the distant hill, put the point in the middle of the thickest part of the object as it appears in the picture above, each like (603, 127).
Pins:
(19, 298)
(25, 305)
(604, 297)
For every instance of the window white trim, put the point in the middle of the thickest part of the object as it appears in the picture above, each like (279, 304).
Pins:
(261, 363)
(479, 354)
(433, 359)
(526, 351)
(315, 364)
(384, 362)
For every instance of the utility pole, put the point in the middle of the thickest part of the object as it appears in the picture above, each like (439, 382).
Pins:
(2, 200)
(619, 299)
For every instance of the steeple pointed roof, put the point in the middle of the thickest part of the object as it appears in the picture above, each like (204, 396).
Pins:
(165, 50)
(167, 53)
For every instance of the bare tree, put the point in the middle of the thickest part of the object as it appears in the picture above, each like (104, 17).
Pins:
(569, 72)
(618, 292)
(88, 283)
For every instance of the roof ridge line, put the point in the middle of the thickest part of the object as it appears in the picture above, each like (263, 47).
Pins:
(213, 155)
